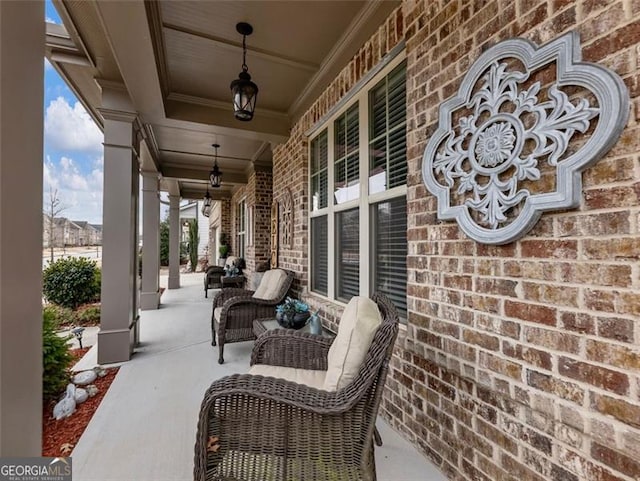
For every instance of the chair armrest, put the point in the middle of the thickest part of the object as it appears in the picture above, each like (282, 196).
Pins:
(229, 293)
(289, 348)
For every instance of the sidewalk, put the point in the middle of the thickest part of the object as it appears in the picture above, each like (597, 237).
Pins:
(145, 427)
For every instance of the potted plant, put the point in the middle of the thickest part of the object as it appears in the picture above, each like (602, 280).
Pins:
(223, 250)
(292, 313)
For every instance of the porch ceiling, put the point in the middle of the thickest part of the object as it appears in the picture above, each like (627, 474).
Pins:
(177, 59)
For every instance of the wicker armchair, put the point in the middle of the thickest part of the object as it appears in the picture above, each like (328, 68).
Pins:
(212, 278)
(234, 310)
(256, 428)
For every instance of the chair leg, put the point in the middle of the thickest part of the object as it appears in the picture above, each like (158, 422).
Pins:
(221, 355)
(213, 337)
(376, 437)
(206, 292)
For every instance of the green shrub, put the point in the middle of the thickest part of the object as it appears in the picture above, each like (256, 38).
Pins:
(194, 240)
(164, 243)
(88, 315)
(71, 282)
(60, 316)
(56, 358)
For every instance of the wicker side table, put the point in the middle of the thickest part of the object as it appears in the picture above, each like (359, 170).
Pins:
(232, 281)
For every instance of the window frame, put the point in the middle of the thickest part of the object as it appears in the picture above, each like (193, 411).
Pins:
(241, 227)
(365, 200)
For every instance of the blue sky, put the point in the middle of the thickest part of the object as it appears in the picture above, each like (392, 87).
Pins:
(73, 154)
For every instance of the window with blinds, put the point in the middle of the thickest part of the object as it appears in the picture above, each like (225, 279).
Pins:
(319, 255)
(319, 174)
(369, 194)
(387, 132)
(389, 234)
(348, 254)
(347, 161)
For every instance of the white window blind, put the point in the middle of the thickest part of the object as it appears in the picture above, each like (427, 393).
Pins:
(348, 254)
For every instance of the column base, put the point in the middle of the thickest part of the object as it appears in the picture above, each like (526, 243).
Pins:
(149, 300)
(115, 345)
(174, 282)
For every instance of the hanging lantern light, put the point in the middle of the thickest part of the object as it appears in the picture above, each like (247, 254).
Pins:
(244, 91)
(215, 176)
(206, 204)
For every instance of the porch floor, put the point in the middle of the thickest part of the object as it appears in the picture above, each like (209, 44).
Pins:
(145, 427)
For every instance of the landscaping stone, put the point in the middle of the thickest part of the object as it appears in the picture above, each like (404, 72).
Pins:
(81, 395)
(84, 377)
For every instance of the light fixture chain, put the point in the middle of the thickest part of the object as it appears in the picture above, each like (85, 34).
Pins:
(244, 53)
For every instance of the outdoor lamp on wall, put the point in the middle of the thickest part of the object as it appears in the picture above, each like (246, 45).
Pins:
(244, 91)
(206, 204)
(215, 176)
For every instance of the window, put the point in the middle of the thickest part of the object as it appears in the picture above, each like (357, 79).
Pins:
(241, 227)
(320, 275)
(360, 156)
(348, 254)
(389, 233)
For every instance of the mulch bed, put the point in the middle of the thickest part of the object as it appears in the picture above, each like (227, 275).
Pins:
(65, 433)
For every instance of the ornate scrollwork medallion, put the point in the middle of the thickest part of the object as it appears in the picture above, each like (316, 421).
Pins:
(514, 140)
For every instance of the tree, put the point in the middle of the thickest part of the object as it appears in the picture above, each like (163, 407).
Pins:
(53, 208)
(194, 240)
(164, 243)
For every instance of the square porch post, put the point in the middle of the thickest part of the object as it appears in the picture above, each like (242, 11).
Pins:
(150, 295)
(22, 38)
(174, 242)
(118, 319)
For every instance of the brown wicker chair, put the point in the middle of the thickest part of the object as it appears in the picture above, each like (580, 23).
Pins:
(212, 278)
(234, 311)
(256, 428)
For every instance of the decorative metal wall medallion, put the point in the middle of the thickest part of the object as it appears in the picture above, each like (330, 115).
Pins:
(512, 143)
(286, 222)
(274, 235)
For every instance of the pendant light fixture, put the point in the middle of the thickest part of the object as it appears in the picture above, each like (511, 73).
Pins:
(206, 204)
(215, 176)
(243, 90)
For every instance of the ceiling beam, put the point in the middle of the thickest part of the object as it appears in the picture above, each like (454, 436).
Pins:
(202, 175)
(194, 194)
(266, 125)
(255, 52)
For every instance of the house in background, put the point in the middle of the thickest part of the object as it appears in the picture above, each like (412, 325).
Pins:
(193, 210)
(87, 235)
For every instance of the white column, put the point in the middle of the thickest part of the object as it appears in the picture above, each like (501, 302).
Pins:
(21, 88)
(119, 240)
(150, 295)
(174, 242)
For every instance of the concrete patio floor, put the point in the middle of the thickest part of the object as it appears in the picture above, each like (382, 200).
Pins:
(145, 427)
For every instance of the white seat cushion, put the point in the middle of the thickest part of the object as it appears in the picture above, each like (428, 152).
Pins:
(358, 325)
(270, 284)
(307, 377)
(230, 260)
(216, 313)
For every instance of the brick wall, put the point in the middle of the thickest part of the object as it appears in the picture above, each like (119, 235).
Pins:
(519, 361)
(258, 194)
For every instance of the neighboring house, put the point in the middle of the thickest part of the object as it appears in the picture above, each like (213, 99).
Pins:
(65, 233)
(98, 234)
(193, 210)
(46, 230)
(88, 234)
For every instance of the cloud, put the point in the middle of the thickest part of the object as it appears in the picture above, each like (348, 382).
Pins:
(71, 129)
(80, 194)
(51, 20)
